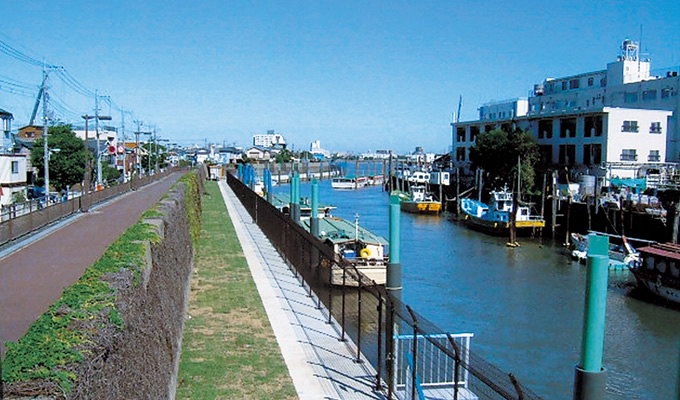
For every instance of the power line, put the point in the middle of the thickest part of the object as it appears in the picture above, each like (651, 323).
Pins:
(18, 55)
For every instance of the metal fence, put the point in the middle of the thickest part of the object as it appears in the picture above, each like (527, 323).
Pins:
(15, 224)
(385, 330)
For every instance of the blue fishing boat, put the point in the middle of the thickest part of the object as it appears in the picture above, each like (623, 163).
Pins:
(494, 218)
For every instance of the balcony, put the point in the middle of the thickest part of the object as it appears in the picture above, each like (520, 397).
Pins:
(629, 157)
(654, 157)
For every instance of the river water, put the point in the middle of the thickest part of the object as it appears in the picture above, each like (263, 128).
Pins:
(524, 305)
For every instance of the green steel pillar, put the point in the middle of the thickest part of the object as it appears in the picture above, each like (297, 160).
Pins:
(291, 207)
(296, 199)
(314, 223)
(394, 266)
(590, 377)
(268, 185)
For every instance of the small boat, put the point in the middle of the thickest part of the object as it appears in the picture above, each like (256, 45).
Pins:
(356, 244)
(419, 201)
(621, 255)
(658, 270)
(376, 180)
(494, 218)
(282, 203)
(349, 182)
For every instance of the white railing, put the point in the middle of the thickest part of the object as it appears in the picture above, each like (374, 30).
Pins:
(435, 368)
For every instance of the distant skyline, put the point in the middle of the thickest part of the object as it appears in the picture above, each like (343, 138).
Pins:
(357, 76)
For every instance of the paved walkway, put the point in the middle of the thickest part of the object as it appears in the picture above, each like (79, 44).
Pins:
(35, 270)
(321, 366)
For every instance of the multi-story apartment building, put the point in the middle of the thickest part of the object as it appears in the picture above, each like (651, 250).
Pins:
(620, 121)
(270, 139)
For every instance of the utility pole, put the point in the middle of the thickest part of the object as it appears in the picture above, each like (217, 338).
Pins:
(155, 146)
(99, 150)
(46, 152)
(122, 129)
(139, 164)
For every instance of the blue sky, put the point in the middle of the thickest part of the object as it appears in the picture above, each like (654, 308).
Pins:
(357, 75)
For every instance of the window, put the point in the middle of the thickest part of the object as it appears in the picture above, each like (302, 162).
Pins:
(655, 127)
(545, 129)
(567, 154)
(653, 155)
(603, 82)
(474, 131)
(630, 98)
(568, 127)
(574, 84)
(628, 155)
(564, 85)
(592, 154)
(592, 126)
(665, 93)
(591, 81)
(15, 167)
(488, 128)
(460, 134)
(546, 154)
(460, 154)
(649, 95)
(630, 126)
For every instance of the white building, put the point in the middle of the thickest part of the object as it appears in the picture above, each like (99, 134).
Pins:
(12, 176)
(317, 151)
(615, 119)
(270, 139)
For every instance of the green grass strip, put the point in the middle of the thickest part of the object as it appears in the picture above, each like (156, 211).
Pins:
(229, 350)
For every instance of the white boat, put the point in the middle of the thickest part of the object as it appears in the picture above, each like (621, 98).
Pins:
(494, 218)
(621, 255)
(349, 182)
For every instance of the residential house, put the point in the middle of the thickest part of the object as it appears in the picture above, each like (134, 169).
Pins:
(12, 177)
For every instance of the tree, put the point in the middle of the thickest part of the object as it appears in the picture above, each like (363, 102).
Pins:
(67, 164)
(284, 156)
(498, 152)
(152, 149)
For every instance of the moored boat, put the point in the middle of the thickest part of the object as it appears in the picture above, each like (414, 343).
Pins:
(419, 201)
(367, 251)
(621, 255)
(658, 270)
(494, 218)
(349, 182)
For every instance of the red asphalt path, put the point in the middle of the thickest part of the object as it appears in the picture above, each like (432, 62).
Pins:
(34, 276)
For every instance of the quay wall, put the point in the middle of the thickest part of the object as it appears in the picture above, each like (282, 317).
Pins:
(116, 333)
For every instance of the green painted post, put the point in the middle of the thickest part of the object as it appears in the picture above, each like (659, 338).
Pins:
(590, 376)
(314, 224)
(291, 206)
(394, 266)
(296, 200)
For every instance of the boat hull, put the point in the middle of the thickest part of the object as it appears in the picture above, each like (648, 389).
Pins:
(662, 286)
(501, 228)
(376, 273)
(421, 207)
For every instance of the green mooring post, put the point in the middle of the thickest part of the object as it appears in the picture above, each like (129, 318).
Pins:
(314, 224)
(394, 266)
(296, 199)
(291, 206)
(590, 377)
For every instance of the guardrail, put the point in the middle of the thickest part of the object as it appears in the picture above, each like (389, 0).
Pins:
(376, 321)
(15, 225)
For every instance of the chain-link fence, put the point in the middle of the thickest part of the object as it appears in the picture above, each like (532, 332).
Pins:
(412, 357)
